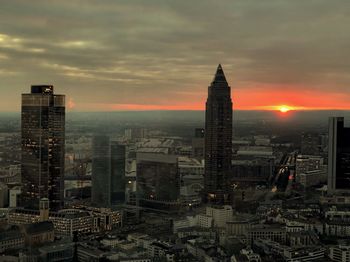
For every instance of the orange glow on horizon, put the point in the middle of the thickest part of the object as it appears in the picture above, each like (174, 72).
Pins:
(283, 108)
(284, 99)
(196, 107)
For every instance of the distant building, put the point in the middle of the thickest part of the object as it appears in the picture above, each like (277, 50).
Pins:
(135, 133)
(39, 233)
(304, 163)
(218, 138)
(191, 173)
(14, 195)
(158, 181)
(338, 156)
(337, 223)
(43, 147)
(11, 239)
(101, 171)
(252, 170)
(274, 232)
(44, 209)
(220, 214)
(204, 250)
(198, 143)
(312, 178)
(310, 144)
(66, 221)
(10, 174)
(340, 253)
(4, 193)
(240, 224)
(57, 252)
(249, 255)
(108, 172)
(316, 253)
(118, 181)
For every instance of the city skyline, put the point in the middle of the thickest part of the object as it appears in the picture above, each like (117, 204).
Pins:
(278, 55)
(119, 141)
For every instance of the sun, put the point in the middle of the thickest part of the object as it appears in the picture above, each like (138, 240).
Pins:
(284, 109)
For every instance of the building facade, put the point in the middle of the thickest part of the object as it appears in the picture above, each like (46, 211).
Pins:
(338, 156)
(340, 253)
(118, 181)
(158, 181)
(43, 147)
(218, 138)
(108, 172)
(85, 221)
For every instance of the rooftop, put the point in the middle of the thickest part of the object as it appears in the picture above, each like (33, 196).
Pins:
(40, 227)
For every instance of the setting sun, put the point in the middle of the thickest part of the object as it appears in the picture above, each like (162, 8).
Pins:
(284, 109)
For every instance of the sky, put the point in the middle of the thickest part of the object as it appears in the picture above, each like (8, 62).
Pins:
(107, 55)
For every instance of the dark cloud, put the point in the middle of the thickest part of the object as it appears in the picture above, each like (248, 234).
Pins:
(164, 51)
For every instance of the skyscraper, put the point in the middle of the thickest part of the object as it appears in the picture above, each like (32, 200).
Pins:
(218, 138)
(118, 182)
(101, 170)
(108, 172)
(338, 156)
(43, 141)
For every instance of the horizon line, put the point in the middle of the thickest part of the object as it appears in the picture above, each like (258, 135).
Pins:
(191, 110)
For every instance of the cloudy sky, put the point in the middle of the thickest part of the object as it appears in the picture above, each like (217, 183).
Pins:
(162, 54)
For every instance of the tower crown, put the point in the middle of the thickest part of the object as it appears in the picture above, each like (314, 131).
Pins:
(42, 89)
(219, 76)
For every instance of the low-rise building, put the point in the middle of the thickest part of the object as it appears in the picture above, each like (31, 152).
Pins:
(273, 232)
(305, 163)
(340, 253)
(220, 214)
(312, 178)
(57, 252)
(11, 239)
(67, 221)
(39, 233)
(337, 223)
(304, 254)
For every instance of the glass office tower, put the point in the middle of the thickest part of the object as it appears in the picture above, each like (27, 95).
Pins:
(43, 147)
(108, 172)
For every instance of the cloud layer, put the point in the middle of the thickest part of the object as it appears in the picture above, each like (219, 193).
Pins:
(161, 54)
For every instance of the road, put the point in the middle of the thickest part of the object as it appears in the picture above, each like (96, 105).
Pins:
(284, 177)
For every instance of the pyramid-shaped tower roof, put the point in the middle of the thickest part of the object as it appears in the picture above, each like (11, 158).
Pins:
(219, 75)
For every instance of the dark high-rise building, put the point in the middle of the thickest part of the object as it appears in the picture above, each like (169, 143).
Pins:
(43, 141)
(338, 156)
(118, 155)
(218, 138)
(108, 172)
(101, 170)
(158, 181)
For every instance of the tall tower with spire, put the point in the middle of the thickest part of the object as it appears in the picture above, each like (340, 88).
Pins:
(218, 139)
